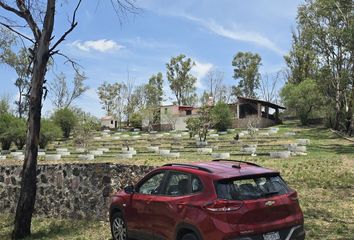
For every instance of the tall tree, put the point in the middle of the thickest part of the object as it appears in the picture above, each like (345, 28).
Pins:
(108, 94)
(329, 25)
(61, 95)
(19, 62)
(39, 18)
(301, 60)
(182, 82)
(246, 71)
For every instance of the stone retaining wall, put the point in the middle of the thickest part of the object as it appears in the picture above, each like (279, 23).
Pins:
(70, 190)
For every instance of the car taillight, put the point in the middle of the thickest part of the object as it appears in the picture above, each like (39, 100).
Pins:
(223, 206)
(293, 196)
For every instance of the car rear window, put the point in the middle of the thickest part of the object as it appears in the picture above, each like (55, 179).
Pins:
(251, 188)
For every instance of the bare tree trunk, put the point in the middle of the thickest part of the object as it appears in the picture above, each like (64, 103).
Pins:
(25, 205)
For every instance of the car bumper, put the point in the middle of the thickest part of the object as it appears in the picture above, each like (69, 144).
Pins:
(292, 233)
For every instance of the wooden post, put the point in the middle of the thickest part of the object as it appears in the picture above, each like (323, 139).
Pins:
(259, 110)
(237, 111)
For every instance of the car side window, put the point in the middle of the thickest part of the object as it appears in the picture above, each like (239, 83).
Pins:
(197, 185)
(178, 184)
(152, 185)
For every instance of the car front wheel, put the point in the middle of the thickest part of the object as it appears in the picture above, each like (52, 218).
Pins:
(118, 227)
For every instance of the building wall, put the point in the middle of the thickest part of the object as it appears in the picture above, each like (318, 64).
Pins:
(79, 191)
(108, 123)
(179, 118)
(256, 122)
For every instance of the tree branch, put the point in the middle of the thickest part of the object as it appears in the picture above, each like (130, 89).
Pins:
(72, 27)
(26, 14)
(11, 9)
(16, 32)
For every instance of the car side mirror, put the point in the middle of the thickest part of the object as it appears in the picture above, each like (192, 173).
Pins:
(129, 189)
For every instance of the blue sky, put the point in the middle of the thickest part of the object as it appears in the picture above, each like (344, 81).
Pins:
(210, 32)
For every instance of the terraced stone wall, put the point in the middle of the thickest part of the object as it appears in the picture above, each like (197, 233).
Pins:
(79, 191)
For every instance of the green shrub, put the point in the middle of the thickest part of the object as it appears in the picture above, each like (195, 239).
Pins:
(221, 116)
(66, 120)
(19, 132)
(136, 120)
(49, 132)
(6, 136)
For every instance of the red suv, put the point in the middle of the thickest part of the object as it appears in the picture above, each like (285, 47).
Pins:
(218, 200)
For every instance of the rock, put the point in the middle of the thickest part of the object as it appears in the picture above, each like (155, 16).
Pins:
(281, 154)
(201, 143)
(96, 152)
(204, 150)
(173, 155)
(41, 154)
(185, 133)
(214, 135)
(127, 149)
(80, 150)
(177, 136)
(220, 155)
(153, 148)
(288, 134)
(125, 155)
(222, 133)
(97, 138)
(20, 157)
(115, 138)
(264, 134)
(86, 157)
(106, 131)
(164, 151)
(132, 152)
(14, 154)
(303, 142)
(136, 137)
(64, 153)
(60, 150)
(103, 149)
(2, 157)
(53, 157)
(250, 150)
(230, 130)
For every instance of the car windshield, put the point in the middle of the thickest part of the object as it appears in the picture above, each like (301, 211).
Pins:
(251, 188)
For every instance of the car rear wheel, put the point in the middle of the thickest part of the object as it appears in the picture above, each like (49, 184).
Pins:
(118, 227)
(189, 236)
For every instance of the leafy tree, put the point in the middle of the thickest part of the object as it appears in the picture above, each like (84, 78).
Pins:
(136, 120)
(61, 95)
(6, 136)
(19, 62)
(301, 60)
(85, 129)
(304, 99)
(66, 120)
(4, 105)
(200, 125)
(222, 116)
(18, 132)
(154, 96)
(49, 132)
(182, 82)
(37, 20)
(246, 70)
(328, 25)
(112, 97)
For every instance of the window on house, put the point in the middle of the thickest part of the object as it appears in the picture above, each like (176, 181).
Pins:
(111, 121)
(188, 112)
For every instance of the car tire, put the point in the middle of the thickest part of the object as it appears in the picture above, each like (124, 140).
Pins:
(118, 227)
(189, 236)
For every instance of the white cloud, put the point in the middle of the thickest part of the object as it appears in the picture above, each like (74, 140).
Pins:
(101, 45)
(237, 34)
(200, 70)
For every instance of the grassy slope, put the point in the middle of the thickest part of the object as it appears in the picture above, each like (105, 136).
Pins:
(324, 180)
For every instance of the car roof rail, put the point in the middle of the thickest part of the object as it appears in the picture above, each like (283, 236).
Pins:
(188, 166)
(237, 161)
